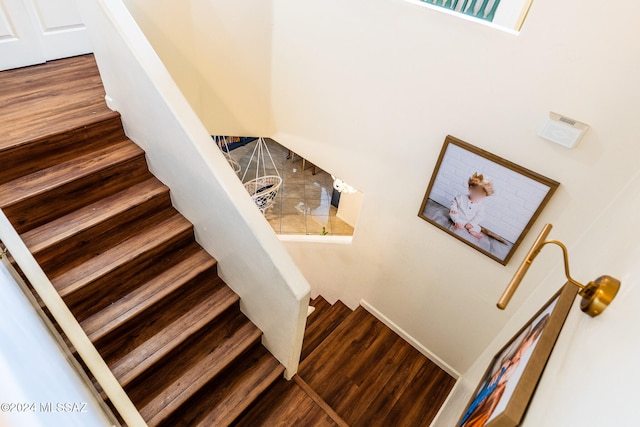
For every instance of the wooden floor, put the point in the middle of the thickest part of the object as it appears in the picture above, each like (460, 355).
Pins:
(34, 99)
(355, 372)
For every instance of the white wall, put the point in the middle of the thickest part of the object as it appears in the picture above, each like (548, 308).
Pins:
(219, 54)
(156, 116)
(591, 378)
(370, 89)
(35, 371)
(349, 207)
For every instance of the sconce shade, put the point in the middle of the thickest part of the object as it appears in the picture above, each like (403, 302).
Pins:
(599, 294)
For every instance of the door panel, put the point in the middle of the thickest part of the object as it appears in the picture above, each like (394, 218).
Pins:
(19, 42)
(60, 28)
(35, 31)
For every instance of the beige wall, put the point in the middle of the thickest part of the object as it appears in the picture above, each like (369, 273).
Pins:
(370, 89)
(591, 378)
(156, 116)
(349, 207)
(219, 54)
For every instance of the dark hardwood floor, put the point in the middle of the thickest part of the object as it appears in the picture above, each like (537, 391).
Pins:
(360, 371)
(290, 404)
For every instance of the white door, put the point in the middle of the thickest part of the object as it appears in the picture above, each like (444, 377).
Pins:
(34, 31)
(60, 28)
(19, 41)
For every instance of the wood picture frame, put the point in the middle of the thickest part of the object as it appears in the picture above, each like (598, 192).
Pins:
(507, 386)
(513, 198)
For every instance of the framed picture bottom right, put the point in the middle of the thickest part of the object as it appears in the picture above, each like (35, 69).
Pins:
(503, 395)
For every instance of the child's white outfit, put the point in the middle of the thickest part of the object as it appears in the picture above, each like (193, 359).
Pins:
(467, 212)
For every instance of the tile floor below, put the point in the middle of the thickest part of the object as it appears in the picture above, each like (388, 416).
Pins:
(303, 203)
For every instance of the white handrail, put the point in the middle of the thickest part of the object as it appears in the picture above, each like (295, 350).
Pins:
(68, 323)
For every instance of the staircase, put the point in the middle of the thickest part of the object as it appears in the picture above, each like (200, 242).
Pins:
(125, 262)
(355, 371)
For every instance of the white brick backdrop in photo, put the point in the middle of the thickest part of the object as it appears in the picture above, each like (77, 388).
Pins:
(513, 203)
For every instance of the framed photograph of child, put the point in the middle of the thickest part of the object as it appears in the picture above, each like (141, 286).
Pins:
(483, 200)
(503, 395)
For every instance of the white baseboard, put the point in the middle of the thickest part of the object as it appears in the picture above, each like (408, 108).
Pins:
(110, 103)
(411, 340)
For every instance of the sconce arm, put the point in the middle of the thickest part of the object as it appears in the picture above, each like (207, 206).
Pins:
(565, 255)
(596, 296)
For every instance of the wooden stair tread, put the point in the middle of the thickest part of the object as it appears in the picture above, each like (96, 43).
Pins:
(131, 249)
(328, 317)
(66, 120)
(39, 100)
(147, 295)
(321, 325)
(287, 403)
(362, 354)
(320, 401)
(356, 317)
(101, 293)
(42, 181)
(319, 302)
(64, 227)
(320, 305)
(144, 356)
(222, 401)
(242, 390)
(199, 374)
(7, 144)
(28, 156)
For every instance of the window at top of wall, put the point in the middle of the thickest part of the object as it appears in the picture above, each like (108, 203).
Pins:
(505, 14)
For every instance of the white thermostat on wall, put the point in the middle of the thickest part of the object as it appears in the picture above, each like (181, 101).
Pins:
(563, 130)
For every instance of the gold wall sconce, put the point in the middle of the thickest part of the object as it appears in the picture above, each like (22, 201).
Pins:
(596, 295)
